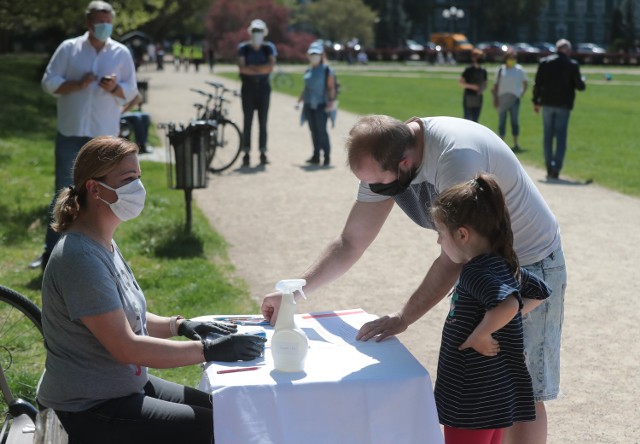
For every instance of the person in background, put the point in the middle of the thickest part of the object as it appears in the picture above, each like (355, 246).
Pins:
(256, 59)
(211, 55)
(510, 84)
(93, 77)
(187, 56)
(159, 56)
(139, 121)
(483, 384)
(101, 338)
(557, 79)
(474, 82)
(318, 98)
(177, 53)
(409, 164)
(197, 56)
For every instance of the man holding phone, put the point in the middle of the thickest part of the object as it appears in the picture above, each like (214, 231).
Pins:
(93, 77)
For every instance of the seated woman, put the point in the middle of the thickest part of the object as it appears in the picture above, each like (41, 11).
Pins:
(100, 338)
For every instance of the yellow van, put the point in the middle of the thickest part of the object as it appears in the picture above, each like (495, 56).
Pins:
(451, 42)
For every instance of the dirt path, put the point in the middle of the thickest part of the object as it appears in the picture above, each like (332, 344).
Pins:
(277, 219)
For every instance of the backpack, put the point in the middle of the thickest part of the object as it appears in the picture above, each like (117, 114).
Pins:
(335, 80)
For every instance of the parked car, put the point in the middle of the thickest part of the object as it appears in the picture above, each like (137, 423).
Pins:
(527, 53)
(414, 46)
(590, 47)
(590, 53)
(493, 51)
(544, 47)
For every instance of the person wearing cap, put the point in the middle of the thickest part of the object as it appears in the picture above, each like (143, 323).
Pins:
(557, 79)
(93, 77)
(256, 59)
(474, 82)
(318, 98)
(509, 86)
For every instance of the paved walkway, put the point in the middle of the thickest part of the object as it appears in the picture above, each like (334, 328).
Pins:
(277, 219)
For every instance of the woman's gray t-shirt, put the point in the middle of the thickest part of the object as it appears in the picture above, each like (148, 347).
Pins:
(82, 279)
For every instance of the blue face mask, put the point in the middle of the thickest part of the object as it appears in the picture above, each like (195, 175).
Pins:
(102, 31)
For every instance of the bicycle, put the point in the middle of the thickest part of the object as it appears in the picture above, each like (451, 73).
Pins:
(22, 360)
(282, 79)
(226, 143)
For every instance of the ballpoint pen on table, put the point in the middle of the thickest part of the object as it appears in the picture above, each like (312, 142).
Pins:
(243, 320)
(237, 369)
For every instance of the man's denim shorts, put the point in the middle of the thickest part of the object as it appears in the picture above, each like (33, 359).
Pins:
(543, 328)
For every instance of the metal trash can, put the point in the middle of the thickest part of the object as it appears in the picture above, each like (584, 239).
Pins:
(190, 146)
(190, 157)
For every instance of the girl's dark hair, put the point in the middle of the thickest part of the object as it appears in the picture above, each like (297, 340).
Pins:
(479, 204)
(97, 158)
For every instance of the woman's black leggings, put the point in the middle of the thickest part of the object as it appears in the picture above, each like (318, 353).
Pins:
(165, 413)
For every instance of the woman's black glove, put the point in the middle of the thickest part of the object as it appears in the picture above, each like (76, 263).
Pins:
(197, 330)
(232, 348)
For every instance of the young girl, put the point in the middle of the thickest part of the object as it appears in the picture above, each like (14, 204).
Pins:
(483, 384)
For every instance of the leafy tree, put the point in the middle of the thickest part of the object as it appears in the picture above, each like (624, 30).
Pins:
(338, 20)
(61, 18)
(392, 27)
(500, 19)
(419, 13)
(226, 25)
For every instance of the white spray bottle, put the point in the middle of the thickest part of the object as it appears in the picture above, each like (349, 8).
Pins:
(289, 344)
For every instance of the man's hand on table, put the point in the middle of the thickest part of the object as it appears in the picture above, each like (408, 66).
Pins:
(382, 328)
(196, 330)
(233, 348)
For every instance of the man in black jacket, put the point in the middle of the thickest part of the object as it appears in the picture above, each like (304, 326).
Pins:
(557, 80)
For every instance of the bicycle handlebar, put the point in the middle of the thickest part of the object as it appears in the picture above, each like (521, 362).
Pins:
(220, 86)
(199, 91)
(214, 84)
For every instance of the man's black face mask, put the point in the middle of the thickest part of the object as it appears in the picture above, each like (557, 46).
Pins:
(396, 187)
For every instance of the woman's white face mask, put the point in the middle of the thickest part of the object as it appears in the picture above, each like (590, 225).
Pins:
(315, 59)
(130, 201)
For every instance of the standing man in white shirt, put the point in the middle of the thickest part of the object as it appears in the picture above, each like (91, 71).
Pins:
(92, 76)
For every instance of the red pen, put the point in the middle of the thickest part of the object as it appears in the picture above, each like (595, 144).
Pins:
(238, 369)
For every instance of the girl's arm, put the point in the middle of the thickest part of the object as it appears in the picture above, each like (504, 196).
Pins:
(480, 338)
(529, 304)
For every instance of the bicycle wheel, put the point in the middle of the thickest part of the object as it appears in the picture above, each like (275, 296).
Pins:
(22, 352)
(283, 80)
(228, 146)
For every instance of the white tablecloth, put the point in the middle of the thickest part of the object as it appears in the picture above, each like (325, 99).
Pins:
(350, 392)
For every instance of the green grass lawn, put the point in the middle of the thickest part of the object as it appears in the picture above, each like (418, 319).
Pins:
(602, 132)
(189, 273)
(180, 273)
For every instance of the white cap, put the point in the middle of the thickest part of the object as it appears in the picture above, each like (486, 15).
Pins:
(315, 48)
(563, 43)
(258, 24)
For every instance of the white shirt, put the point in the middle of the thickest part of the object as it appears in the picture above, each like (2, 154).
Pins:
(455, 150)
(510, 80)
(92, 111)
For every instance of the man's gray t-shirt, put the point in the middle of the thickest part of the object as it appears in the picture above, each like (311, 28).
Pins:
(85, 279)
(455, 151)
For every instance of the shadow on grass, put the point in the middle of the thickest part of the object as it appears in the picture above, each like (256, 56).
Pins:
(177, 242)
(15, 223)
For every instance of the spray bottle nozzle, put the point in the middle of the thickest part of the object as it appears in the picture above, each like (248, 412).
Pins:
(291, 285)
